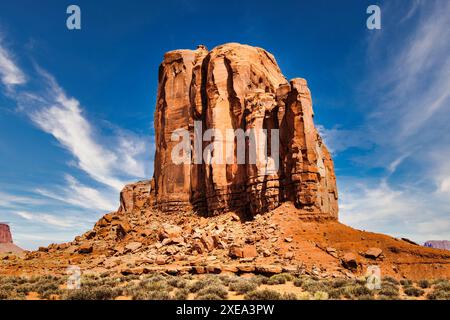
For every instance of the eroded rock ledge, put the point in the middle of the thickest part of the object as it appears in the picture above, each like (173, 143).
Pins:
(237, 86)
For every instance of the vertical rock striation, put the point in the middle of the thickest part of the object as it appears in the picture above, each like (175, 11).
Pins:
(238, 87)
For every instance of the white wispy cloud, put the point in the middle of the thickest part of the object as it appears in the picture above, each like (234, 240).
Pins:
(104, 159)
(11, 200)
(400, 211)
(10, 73)
(47, 219)
(406, 99)
(82, 196)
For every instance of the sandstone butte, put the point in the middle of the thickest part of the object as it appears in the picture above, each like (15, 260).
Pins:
(6, 241)
(216, 218)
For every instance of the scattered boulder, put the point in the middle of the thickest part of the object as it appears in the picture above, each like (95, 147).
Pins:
(235, 252)
(350, 261)
(169, 231)
(373, 253)
(85, 248)
(133, 247)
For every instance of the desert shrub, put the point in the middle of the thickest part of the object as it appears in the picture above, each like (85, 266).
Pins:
(438, 281)
(443, 286)
(361, 280)
(156, 295)
(358, 291)
(390, 280)
(243, 286)
(366, 297)
(336, 293)
(423, 284)
(11, 295)
(260, 279)
(177, 282)
(406, 282)
(276, 279)
(181, 294)
(263, 295)
(203, 283)
(321, 295)
(314, 286)
(389, 290)
(383, 297)
(226, 280)
(413, 292)
(304, 296)
(155, 284)
(298, 282)
(208, 296)
(438, 295)
(287, 276)
(289, 296)
(339, 283)
(86, 293)
(4, 294)
(218, 290)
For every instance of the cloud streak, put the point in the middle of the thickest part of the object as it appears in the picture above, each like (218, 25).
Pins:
(406, 99)
(10, 73)
(104, 160)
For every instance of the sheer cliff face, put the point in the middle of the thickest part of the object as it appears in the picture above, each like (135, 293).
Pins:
(238, 87)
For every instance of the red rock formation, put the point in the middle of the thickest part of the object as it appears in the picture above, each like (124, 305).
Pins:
(5, 234)
(238, 87)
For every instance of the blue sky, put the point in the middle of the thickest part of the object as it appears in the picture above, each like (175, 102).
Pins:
(76, 107)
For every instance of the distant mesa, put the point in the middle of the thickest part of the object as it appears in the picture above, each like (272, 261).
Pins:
(6, 241)
(438, 244)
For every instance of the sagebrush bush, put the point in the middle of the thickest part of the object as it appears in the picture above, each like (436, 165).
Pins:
(213, 290)
(276, 279)
(242, 286)
(181, 294)
(289, 296)
(321, 295)
(389, 290)
(413, 292)
(265, 294)
(204, 282)
(314, 286)
(358, 291)
(390, 280)
(424, 284)
(88, 293)
(406, 282)
(177, 282)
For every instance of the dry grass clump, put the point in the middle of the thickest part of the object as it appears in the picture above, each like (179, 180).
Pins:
(424, 284)
(265, 294)
(441, 290)
(243, 286)
(413, 292)
(212, 292)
